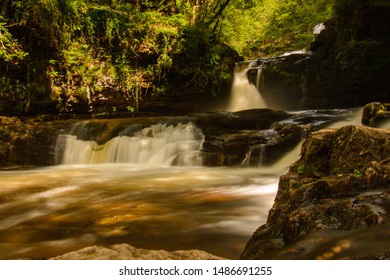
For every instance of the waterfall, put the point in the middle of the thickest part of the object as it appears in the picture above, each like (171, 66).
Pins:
(156, 145)
(244, 94)
(255, 156)
(259, 77)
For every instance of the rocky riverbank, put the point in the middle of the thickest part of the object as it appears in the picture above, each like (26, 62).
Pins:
(334, 201)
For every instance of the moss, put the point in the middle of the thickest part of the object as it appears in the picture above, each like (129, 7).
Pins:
(374, 111)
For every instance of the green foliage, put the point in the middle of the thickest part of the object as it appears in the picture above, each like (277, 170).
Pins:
(92, 46)
(120, 51)
(272, 27)
(357, 173)
(10, 50)
(208, 62)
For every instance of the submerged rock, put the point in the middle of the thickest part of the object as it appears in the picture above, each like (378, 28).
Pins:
(127, 252)
(340, 185)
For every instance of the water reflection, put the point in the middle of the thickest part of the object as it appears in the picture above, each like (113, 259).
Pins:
(50, 211)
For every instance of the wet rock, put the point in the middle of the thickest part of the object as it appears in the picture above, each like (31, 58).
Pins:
(230, 135)
(259, 136)
(253, 119)
(282, 83)
(127, 252)
(340, 183)
(28, 142)
(374, 113)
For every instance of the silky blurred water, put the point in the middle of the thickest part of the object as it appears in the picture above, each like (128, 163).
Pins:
(130, 189)
(50, 211)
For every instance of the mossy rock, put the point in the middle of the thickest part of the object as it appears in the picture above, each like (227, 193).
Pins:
(374, 112)
(341, 183)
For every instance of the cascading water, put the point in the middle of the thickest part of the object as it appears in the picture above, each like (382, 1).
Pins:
(49, 211)
(159, 144)
(257, 154)
(260, 77)
(244, 94)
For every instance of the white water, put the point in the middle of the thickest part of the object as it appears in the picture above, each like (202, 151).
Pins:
(283, 163)
(156, 145)
(245, 95)
(318, 28)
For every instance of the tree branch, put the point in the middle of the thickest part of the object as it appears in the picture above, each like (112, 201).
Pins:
(219, 12)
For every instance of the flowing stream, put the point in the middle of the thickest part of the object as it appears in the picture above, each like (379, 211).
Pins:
(50, 211)
(145, 187)
(141, 184)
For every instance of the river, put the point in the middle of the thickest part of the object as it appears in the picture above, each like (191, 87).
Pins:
(49, 211)
(146, 187)
(155, 195)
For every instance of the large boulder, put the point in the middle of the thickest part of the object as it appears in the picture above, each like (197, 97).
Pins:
(339, 189)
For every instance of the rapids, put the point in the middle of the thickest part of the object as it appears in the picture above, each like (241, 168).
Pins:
(51, 211)
(141, 184)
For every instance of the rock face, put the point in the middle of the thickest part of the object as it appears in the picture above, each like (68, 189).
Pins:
(351, 61)
(127, 252)
(337, 193)
(282, 83)
(28, 142)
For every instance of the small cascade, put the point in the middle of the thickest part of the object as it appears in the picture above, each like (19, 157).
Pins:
(259, 155)
(256, 157)
(354, 118)
(274, 155)
(259, 77)
(244, 94)
(157, 145)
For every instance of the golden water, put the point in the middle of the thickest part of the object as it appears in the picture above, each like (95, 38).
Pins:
(244, 94)
(127, 191)
(50, 211)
